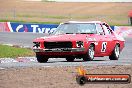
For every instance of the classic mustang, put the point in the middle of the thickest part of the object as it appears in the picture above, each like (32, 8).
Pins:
(75, 39)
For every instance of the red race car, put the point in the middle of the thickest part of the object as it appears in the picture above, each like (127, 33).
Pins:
(75, 39)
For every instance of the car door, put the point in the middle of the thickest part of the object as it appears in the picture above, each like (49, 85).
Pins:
(108, 44)
(103, 40)
(101, 45)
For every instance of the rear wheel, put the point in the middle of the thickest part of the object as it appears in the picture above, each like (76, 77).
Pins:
(90, 54)
(70, 59)
(41, 58)
(115, 54)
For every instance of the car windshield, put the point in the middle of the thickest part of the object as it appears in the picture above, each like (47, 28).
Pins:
(76, 28)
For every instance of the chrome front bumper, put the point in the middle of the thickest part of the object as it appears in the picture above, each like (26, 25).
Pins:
(60, 50)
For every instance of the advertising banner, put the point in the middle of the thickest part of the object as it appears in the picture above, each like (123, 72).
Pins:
(28, 27)
(50, 28)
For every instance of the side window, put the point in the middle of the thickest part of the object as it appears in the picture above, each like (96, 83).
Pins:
(106, 29)
(99, 29)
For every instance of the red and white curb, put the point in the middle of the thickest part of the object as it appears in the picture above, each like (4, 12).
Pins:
(19, 59)
(26, 59)
(7, 60)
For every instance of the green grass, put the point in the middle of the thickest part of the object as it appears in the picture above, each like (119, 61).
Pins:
(118, 20)
(13, 52)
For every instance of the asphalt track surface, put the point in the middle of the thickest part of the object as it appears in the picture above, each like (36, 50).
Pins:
(21, 39)
(25, 39)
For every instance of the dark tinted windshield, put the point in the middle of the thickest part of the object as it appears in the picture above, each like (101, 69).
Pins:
(74, 28)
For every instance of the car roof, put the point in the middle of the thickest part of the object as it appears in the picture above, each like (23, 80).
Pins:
(83, 22)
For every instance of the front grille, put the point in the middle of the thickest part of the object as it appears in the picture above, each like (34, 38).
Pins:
(50, 45)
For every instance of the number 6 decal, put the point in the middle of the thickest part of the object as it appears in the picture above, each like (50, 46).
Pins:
(103, 46)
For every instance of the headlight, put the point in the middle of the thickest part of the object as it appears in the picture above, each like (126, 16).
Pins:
(36, 44)
(79, 44)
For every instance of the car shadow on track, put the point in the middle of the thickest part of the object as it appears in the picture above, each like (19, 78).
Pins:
(74, 61)
(82, 61)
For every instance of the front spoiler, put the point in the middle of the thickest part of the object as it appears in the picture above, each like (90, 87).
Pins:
(60, 50)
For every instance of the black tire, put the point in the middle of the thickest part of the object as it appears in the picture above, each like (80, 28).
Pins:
(115, 53)
(70, 59)
(81, 80)
(41, 59)
(90, 54)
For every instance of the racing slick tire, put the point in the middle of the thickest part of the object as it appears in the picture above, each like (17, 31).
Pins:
(115, 54)
(70, 59)
(90, 54)
(41, 59)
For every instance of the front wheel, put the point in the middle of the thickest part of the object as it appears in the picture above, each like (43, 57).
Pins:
(115, 53)
(41, 58)
(90, 54)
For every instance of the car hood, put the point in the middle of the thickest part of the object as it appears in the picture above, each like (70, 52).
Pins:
(66, 37)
